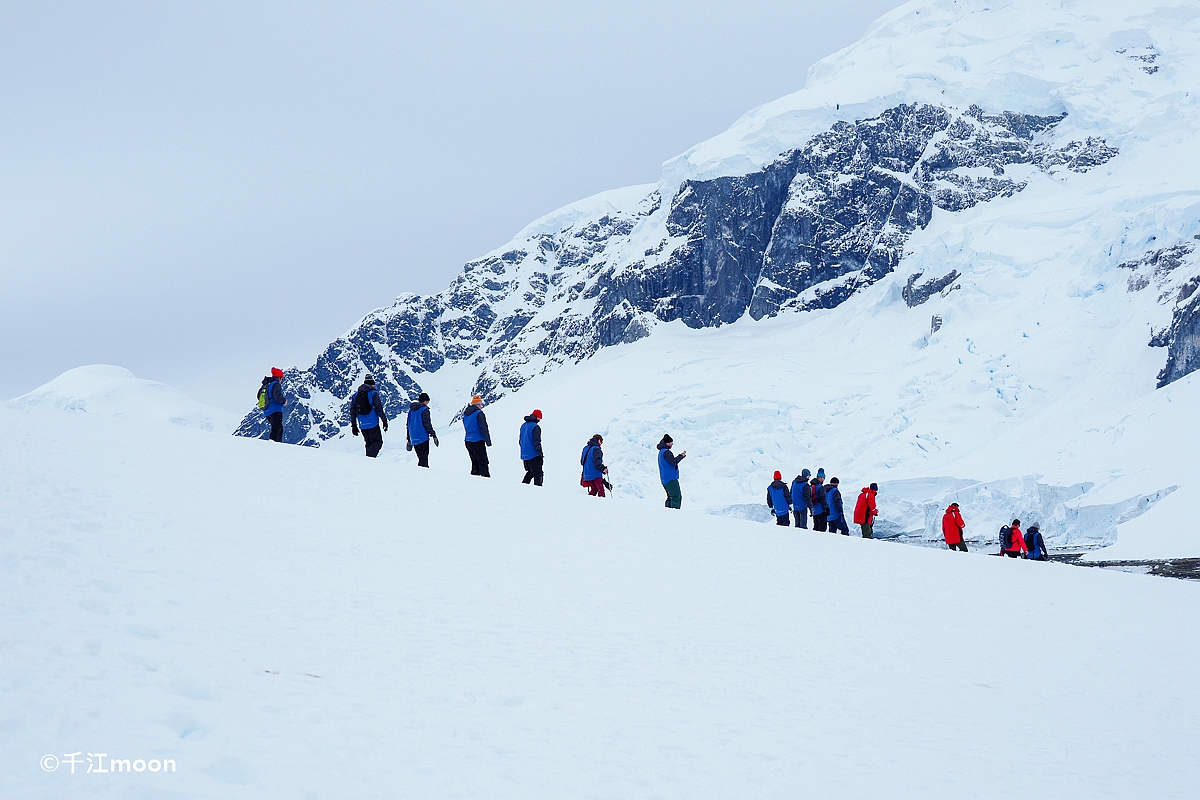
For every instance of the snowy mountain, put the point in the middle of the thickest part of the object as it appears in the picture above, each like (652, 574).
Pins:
(976, 226)
(116, 392)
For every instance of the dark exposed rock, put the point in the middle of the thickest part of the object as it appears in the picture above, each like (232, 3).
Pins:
(806, 231)
(916, 295)
(1176, 274)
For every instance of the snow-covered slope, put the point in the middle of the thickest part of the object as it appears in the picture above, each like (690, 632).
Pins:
(117, 392)
(291, 622)
(958, 262)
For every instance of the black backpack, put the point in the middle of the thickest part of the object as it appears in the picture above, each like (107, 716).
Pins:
(362, 403)
(1006, 541)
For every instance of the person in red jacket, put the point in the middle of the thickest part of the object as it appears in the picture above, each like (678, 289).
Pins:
(865, 510)
(1016, 546)
(953, 527)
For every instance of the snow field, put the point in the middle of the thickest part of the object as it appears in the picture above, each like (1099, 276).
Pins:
(287, 622)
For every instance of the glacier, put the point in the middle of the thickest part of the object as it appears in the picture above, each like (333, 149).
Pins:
(961, 223)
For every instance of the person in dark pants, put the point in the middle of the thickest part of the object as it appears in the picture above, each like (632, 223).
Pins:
(865, 510)
(820, 511)
(668, 471)
(837, 517)
(801, 498)
(420, 429)
(477, 437)
(272, 385)
(779, 500)
(531, 448)
(1035, 545)
(592, 461)
(953, 527)
(1012, 541)
(366, 414)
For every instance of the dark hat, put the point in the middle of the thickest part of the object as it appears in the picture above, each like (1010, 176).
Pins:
(874, 487)
(1016, 522)
(423, 397)
(667, 437)
(804, 473)
(833, 481)
(369, 379)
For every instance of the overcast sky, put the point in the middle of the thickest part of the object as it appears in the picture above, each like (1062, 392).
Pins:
(199, 191)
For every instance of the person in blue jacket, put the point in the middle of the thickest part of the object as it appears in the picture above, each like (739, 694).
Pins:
(420, 429)
(837, 517)
(272, 386)
(366, 414)
(592, 461)
(531, 448)
(1036, 544)
(668, 471)
(820, 511)
(779, 500)
(801, 498)
(477, 437)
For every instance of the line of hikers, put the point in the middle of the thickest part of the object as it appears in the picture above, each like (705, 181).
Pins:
(368, 418)
(1013, 543)
(808, 495)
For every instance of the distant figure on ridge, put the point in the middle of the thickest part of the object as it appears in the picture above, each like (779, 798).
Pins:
(820, 511)
(865, 510)
(1035, 544)
(801, 498)
(953, 527)
(420, 429)
(531, 448)
(779, 500)
(837, 517)
(668, 471)
(592, 461)
(366, 414)
(477, 437)
(1012, 542)
(272, 401)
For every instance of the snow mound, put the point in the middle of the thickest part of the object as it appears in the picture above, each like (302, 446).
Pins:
(116, 392)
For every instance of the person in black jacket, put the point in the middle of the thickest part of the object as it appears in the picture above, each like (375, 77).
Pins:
(366, 414)
(837, 516)
(801, 498)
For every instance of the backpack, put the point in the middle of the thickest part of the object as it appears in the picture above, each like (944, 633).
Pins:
(1006, 541)
(262, 398)
(818, 499)
(362, 403)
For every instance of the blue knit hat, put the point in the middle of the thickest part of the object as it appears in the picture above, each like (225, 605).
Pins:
(820, 472)
(804, 473)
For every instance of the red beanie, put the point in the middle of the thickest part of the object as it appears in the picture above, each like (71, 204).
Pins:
(276, 372)
(778, 475)
(537, 413)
